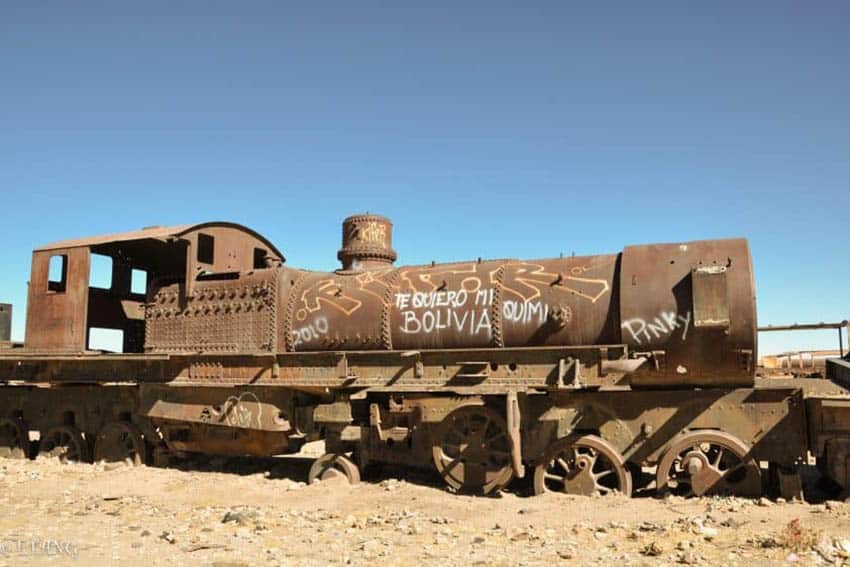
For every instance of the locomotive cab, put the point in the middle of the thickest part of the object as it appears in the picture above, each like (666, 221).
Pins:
(90, 294)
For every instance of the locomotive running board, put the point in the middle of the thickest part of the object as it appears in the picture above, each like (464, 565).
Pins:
(452, 370)
(494, 370)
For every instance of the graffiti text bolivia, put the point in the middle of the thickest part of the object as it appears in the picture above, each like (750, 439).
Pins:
(463, 311)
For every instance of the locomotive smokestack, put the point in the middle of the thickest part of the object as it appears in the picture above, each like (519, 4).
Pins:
(367, 243)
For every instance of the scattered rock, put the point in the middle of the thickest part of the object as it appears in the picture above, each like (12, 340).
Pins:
(767, 542)
(687, 558)
(240, 517)
(732, 523)
(391, 484)
(652, 549)
(518, 534)
(211, 515)
(797, 537)
(371, 547)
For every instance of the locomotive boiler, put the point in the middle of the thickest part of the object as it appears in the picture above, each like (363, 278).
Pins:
(583, 372)
(687, 308)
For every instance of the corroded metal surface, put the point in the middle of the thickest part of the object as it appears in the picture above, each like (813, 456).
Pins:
(456, 370)
(160, 233)
(707, 462)
(5, 322)
(644, 297)
(641, 424)
(477, 304)
(838, 370)
(696, 303)
(335, 311)
(227, 316)
(687, 308)
(63, 308)
(366, 243)
(582, 464)
(477, 369)
(471, 451)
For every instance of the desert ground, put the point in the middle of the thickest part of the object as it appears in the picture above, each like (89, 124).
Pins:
(234, 512)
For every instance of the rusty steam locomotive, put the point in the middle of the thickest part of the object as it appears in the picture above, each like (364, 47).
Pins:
(585, 373)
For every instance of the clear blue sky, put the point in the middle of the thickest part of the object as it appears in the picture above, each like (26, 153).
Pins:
(491, 129)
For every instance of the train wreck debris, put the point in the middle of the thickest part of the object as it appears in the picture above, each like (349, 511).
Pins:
(578, 371)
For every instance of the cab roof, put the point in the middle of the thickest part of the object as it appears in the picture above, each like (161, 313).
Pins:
(156, 233)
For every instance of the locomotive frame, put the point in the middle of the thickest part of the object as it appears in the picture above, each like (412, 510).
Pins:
(582, 396)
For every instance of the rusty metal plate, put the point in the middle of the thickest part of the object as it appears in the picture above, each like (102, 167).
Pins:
(5, 322)
(711, 298)
(234, 315)
(665, 287)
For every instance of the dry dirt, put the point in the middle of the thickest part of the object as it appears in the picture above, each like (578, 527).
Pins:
(231, 512)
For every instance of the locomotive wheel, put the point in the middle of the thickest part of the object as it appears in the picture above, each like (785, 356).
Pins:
(709, 463)
(584, 465)
(330, 466)
(120, 441)
(66, 443)
(14, 439)
(472, 451)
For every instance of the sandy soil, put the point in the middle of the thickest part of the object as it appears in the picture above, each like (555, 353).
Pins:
(232, 512)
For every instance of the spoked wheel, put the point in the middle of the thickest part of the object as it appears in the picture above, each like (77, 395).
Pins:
(65, 443)
(472, 451)
(330, 466)
(709, 463)
(584, 465)
(119, 441)
(14, 439)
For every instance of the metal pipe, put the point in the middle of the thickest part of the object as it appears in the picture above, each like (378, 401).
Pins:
(803, 327)
(814, 327)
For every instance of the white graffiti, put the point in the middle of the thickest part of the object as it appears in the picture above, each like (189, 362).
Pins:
(462, 311)
(373, 232)
(238, 410)
(317, 328)
(472, 321)
(419, 300)
(660, 327)
(484, 296)
(525, 311)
